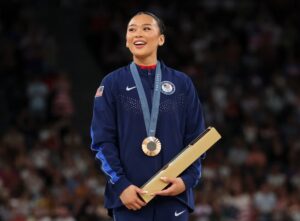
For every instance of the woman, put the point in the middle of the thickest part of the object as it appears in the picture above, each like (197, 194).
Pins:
(144, 114)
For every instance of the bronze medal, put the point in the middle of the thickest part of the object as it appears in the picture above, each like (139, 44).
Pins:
(151, 146)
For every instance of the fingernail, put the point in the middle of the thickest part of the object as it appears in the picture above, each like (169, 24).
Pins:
(145, 191)
(163, 178)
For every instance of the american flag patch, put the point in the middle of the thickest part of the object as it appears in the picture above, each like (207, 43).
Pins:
(99, 91)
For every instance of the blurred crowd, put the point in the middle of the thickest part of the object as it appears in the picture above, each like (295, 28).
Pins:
(244, 58)
(47, 173)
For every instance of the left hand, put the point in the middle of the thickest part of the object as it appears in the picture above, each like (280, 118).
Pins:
(177, 186)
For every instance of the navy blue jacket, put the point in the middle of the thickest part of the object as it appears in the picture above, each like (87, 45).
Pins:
(118, 129)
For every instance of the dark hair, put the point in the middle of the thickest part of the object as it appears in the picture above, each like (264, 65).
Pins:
(160, 23)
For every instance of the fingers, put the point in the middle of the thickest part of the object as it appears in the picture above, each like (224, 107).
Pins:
(177, 186)
(140, 202)
(140, 191)
(135, 204)
(130, 198)
(167, 192)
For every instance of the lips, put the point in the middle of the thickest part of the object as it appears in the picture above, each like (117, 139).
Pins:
(139, 43)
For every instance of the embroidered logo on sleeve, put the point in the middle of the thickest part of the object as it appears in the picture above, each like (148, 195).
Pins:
(99, 91)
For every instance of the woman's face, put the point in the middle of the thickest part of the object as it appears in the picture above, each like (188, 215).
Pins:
(143, 37)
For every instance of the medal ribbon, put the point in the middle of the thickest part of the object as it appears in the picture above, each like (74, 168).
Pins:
(149, 119)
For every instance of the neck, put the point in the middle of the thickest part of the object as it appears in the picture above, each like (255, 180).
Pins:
(148, 61)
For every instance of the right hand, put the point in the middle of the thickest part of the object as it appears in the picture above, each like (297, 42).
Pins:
(130, 198)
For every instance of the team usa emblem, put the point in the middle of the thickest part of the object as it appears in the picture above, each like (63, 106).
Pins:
(99, 91)
(167, 87)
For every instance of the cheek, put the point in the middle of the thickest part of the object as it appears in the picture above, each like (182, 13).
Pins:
(154, 40)
(128, 43)
(128, 38)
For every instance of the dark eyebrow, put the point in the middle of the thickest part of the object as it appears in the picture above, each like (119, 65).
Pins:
(142, 25)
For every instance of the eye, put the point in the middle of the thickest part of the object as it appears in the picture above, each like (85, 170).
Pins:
(147, 28)
(131, 29)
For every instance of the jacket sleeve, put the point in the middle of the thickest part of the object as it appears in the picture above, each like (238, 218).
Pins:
(105, 138)
(194, 126)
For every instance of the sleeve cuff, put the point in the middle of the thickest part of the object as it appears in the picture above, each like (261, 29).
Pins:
(188, 181)
(121, 185)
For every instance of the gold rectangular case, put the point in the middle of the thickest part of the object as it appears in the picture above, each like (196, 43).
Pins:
(181, 162)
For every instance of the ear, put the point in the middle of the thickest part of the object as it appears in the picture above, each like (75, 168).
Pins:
(126, 44)
(161, 40)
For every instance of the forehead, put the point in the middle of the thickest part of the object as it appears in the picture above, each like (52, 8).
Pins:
(142, 19)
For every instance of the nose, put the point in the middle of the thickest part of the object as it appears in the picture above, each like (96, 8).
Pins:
(138, 33)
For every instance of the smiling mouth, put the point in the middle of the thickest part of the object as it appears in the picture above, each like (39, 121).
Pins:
(139, 44)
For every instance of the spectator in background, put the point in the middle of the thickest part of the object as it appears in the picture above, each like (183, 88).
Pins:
(62, 105)
(264, 202)
(37, 93)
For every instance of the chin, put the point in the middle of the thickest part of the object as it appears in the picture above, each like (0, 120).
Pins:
(140, 55)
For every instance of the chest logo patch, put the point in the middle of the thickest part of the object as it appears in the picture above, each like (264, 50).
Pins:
(167, 87)
(130, 88)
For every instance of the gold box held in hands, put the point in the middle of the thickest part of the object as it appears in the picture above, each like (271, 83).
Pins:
(181, 162)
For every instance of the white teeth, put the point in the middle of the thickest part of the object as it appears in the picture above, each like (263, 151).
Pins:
(139, 43)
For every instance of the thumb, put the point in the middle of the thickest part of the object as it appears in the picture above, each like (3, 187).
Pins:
(167, 179)
(140, 191)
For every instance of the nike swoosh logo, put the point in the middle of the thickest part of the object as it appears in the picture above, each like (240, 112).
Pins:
(130, 88)
(178, 214)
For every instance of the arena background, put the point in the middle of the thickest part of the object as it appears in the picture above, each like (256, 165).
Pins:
(242, 55)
